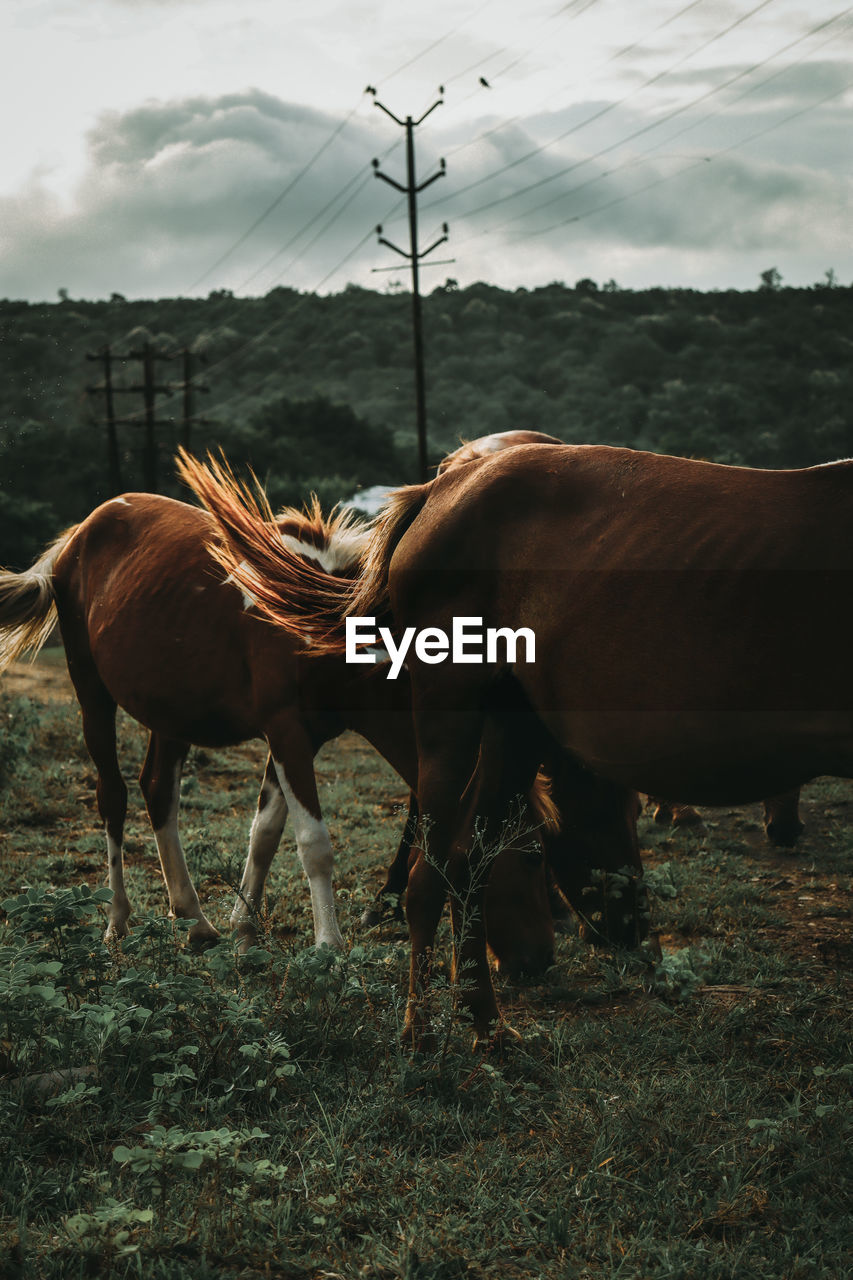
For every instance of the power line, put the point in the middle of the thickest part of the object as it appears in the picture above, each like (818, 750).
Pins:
(629, 48)
(312, 161)
(528, 155)
(670, 115)
(270, 329)
(435, 44)
(322, 230)
(277, 201)
(482, 62)
(753, 137)
(358, 177)
(481, 137)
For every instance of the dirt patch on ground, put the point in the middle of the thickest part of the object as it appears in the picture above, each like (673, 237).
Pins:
(45, 680)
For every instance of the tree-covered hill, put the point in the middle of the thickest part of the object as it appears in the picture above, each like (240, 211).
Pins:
(317, 392)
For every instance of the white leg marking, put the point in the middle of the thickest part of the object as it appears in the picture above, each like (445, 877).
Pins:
(183, 899)
(119, 908)
(267, 827)
(315, 854)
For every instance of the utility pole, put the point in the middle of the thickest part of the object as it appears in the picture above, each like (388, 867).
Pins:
(148, 356)
(113, 460)
(188, 387)
(411, 190)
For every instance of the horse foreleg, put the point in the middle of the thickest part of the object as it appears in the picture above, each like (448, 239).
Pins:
(447, 748)
(506, 770)
(160, 780)
(397, 875)
(267, 826)
(293, 757)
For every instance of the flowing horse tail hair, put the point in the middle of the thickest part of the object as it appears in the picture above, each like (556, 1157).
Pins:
(290, 590)
(28, 604)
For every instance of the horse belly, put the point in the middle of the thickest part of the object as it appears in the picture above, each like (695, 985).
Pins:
(176, 684)
(732, 758)
(687, 698)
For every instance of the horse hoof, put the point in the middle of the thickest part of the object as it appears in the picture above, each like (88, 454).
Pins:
(784, 837)
(204, 939)
(502, 1039)
(379, 911)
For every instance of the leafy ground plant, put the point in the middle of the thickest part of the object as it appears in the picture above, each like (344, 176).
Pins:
(165, 1114)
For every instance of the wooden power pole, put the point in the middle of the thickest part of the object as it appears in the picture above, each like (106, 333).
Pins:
(411, 190)
(149, 388)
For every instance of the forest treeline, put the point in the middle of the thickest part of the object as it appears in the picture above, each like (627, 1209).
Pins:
(317, 392)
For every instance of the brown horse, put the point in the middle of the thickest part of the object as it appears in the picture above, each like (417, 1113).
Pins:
(588, 842)
(587, 832)
(781, 813)
(150, 623)
(736, 685)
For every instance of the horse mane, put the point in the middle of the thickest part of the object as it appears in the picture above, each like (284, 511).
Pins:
(369, 596)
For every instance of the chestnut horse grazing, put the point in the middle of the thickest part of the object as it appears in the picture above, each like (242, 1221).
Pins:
(597, 829)
(150, 623)
(781, 813)
(736, 685)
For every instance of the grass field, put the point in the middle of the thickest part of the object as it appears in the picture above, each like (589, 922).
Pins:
(217, 1118)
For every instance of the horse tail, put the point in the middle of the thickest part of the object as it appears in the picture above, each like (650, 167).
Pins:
(369, 594)
(287, 588)
(290, 590)
(28, 604)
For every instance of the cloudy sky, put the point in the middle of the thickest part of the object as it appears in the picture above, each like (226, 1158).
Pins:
(173, 147)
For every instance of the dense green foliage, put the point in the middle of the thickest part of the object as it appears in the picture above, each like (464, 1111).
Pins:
(169, 1115)
(317, 392)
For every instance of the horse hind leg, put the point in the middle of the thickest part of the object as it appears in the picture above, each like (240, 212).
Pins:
(99, 731)
(160, 780)
(267, 828)
(292, 753)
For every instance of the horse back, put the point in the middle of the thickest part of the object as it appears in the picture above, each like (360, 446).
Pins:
(691, 617)
(142, 603)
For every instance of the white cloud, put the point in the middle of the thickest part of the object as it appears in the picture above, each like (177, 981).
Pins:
(162, 183)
